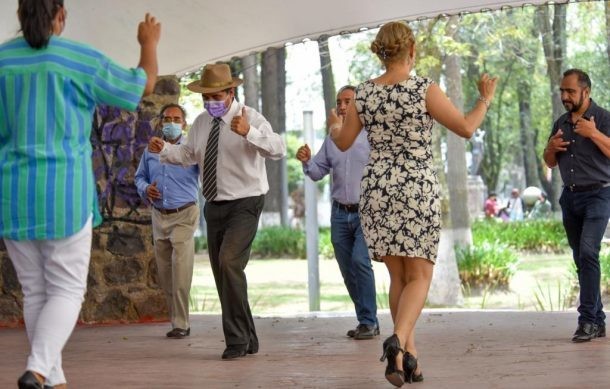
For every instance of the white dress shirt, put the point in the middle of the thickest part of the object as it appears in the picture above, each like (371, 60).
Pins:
(240, 167)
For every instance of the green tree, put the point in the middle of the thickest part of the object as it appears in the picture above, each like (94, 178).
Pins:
(552, 27)
(249, 66)
(457, 175)
(365, 64)
(273, 92)
(326, 70)
(607, 13)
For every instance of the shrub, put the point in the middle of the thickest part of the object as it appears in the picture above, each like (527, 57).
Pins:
(604, 264)
(325, 246)
(560, 299)
(486, 265)
(201, 243)
(279, 242)
(541, 236)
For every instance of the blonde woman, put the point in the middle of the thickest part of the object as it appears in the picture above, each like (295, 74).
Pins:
(400, 205)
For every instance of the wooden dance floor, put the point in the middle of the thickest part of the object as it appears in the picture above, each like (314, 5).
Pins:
(458, 349)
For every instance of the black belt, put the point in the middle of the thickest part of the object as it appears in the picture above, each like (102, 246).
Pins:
(587, 188)
(166, 211)
(346, 207)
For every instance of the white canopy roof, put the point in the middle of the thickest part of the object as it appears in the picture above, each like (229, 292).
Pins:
(195, 32)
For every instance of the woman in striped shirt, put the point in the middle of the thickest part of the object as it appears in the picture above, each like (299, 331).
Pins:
(49, 87)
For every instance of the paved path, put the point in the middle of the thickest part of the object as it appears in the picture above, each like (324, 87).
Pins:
(458, 349)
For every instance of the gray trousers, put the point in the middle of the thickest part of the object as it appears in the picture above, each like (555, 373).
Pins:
(232, 226)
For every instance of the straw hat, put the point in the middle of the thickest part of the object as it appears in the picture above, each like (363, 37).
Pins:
(215, 78)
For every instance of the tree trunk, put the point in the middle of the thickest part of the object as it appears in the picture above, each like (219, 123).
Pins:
(328, 79)
(527, 135)
(608, 30)
(273, 86)
(457, 175)
(553, 35)
(495, 147)
(249, 68)
(429, 48)
(445, 287)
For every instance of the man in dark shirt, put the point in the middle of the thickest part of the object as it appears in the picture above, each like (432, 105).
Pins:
(580, 145)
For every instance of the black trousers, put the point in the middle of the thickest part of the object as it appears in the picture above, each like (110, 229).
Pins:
(232, 226)
(585, 217)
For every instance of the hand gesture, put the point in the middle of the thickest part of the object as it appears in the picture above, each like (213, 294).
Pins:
(149, 31)
(155, 144)
(556, 143)
(334, 123)
(152, 193)
(239, 124)
(585, 127)
(487, 87)
(304, 153)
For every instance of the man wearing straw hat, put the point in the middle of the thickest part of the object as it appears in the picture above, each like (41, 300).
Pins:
(230, 142)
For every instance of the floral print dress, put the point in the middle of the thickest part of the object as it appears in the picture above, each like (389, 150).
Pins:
(399, 202)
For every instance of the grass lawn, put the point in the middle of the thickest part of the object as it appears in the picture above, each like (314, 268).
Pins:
(279, 286)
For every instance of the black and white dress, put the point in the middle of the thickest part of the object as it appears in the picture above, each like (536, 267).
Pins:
(399, 202)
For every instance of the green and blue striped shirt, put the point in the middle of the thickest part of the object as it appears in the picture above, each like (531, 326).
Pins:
(47, 99)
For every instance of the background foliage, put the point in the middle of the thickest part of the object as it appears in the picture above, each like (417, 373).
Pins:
(538, 236)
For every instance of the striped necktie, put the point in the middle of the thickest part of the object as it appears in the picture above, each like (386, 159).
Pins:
(208, 183)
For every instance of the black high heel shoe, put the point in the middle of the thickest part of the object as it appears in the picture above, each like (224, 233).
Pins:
(409, 365)
(391, 348)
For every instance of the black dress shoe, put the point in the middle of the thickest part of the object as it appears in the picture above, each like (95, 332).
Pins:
(252, 348)
(233, 352)
(29, 381)
(352, 333)
(601, 332)
(365, 331)
(585, 332)
(178, 333)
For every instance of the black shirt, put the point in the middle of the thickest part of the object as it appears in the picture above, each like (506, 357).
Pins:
(583, 163)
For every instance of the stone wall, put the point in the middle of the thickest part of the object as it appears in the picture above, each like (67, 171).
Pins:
(122, 284)
(10, 291)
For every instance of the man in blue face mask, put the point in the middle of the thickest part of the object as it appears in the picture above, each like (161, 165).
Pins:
(172, 190)
(231, 143)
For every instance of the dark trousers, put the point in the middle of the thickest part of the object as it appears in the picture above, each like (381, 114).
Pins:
(232, 226)
(585, 217)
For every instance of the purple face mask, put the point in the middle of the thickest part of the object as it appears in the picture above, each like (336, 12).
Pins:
(215, 108)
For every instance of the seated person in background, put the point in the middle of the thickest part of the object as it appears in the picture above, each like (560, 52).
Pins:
(542, 208)
(491, 206)
(515, 207)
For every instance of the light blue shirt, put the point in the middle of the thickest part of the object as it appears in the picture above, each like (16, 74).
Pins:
(347, 167)
(178, 185)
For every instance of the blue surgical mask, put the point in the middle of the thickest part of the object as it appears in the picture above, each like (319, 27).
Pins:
(172, 130)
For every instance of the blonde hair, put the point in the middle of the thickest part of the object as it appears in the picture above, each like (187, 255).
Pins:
(393, 42)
